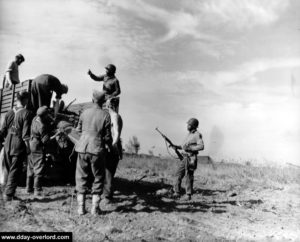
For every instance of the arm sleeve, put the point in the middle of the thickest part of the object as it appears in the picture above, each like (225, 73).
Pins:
(10, 67)
(26, 127)
(117, 127)
(97, 78)
(56, 86)
(79, 125)
(107, 131)
(4, 129)
(198, 146)
(117, 89)
(45, 137)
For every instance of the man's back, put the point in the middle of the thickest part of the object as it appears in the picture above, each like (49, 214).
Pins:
(95, 125)
(18, 132)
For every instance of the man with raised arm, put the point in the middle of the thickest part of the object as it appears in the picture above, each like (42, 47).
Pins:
(111, 85)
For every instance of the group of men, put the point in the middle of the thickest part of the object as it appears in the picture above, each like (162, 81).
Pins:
(99, 149)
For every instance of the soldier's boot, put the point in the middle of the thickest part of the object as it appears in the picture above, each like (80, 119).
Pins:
(81, 204)
(107, 205)
(95, 204)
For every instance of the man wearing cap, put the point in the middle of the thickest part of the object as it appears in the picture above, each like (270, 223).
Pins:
(192, 144)
(41, 90)
(111, 85)
(39, 137)
(16, 147)
(95, 128)
(11, 76)
(115, 154)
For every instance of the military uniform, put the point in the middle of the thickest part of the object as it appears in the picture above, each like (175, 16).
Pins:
(42, 88)
(94, 123)
(17, 126)
(36, 163)
(111, 84)
(192, 144)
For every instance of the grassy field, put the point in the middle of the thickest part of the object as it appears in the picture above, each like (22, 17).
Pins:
(215, 172)
(232, 202)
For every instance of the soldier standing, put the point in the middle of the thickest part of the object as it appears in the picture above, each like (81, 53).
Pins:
(115, 154)
(11, 76)
(111, 85)
(16, 147)
(95, 127)
(40, 135)
(192, 144)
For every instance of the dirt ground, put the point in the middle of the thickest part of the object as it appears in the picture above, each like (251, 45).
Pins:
(245, 210)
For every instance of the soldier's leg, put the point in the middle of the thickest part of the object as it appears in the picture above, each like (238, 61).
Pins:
(7, 164)
(98, 169)
(189, 182)
(83, 169)
(13, 175)
(39, 168)
(30, 175)
(180, 172)
(111, 164)
(81, 177)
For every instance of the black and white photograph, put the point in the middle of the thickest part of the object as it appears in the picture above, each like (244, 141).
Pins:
(149, 120)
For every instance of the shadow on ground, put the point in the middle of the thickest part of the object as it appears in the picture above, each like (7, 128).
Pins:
(141, 196)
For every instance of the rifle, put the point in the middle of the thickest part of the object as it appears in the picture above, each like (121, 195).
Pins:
(180, 156)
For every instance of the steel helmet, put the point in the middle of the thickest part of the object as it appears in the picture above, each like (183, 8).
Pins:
(193, 122)
(110, 67)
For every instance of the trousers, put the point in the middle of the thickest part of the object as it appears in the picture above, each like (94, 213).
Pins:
(35, 171)
(184, 170)
(111, 165)
(13, 165)
(90, 165)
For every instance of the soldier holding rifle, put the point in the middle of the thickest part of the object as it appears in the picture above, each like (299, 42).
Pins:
(187, 164)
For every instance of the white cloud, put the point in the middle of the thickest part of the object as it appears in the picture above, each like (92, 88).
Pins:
(193, 18)
(242, 14)
(216, 81)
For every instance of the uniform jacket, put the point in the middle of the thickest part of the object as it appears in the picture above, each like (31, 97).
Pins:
(39, 136)
(95, 127)
(193, 143)
(42, 88)
(17, 125)
(111, 84)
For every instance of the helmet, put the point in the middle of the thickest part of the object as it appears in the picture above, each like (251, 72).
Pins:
(42, 111)
(110, 67)
(193, 122)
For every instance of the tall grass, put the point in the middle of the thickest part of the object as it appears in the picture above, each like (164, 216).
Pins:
(218, 172)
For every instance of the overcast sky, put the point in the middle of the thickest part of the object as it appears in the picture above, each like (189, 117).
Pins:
(233, 64)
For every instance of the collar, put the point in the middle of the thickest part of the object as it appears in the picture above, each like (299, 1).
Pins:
(111, 77)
